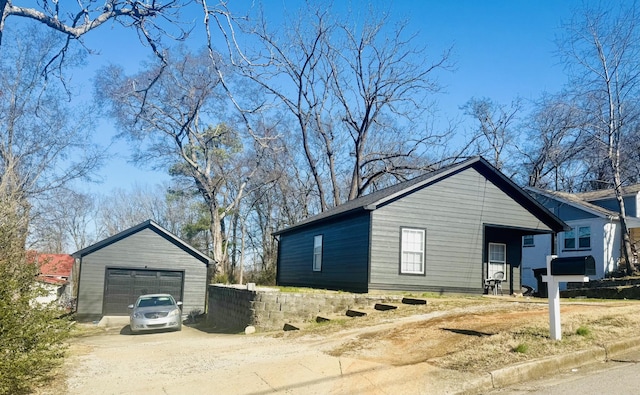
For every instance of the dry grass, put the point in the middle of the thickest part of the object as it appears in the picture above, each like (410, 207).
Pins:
(475, 333)
(524, 341)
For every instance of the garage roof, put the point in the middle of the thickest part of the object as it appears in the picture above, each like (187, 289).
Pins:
(148, 224)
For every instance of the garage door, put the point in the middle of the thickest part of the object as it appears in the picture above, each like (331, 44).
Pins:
(123, 286)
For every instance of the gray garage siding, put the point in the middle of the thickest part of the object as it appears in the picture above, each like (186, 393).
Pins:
(344, 255)
(144, 249)
(453, 212)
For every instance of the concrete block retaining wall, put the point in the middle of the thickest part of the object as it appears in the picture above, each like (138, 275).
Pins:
(234, 306)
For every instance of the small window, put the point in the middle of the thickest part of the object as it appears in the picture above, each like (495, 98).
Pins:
(412, 251)
(527, 241)
(317, 253)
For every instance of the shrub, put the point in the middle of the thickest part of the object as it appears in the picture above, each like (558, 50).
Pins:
(32, 336)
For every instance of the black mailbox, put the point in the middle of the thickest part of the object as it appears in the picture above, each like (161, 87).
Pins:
(574, 265)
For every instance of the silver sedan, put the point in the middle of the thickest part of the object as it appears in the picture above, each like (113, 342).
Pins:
(155, 311)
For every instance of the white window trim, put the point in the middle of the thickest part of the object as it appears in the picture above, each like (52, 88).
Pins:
(421, 252)
(492, 263)
(576, 239)
(317, 253)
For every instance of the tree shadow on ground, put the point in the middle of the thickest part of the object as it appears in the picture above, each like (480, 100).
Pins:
(203, 326)
(468, 332)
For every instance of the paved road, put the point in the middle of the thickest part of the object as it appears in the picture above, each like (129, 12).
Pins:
(620, 376)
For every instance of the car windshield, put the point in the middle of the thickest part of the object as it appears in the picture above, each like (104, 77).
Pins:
(156, 301)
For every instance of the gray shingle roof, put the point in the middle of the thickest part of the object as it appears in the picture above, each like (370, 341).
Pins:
(608, 193)
(579, 201)
(575, 200)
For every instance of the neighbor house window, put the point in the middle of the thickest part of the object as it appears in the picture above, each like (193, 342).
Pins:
(497, 259)
(584, 237)
(412, 251)
(317, 253)
(527, 241)
(577, 238)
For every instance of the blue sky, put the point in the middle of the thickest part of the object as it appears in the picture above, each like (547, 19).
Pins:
(503, 49)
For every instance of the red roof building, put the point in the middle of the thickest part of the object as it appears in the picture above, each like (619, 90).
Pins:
(55, 268)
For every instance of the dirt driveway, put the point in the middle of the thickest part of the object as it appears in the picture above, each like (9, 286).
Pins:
(376, 355)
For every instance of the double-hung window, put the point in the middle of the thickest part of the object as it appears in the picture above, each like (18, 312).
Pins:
(577, 238)
(497, 259)
(317, 253)
(412, 251)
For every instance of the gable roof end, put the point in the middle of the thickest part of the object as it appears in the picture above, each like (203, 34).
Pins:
(379, 198)
(149, 224)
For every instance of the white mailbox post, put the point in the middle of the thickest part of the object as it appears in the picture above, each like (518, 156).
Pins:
(553, 287)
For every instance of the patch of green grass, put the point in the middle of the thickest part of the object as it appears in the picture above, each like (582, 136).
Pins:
(583, 331)
(521, 348)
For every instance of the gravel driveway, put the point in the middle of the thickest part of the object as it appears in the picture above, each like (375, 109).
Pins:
(382, 353)
(196, 362)
(193, 362)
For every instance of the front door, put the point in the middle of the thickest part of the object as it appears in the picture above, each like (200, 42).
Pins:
(497, 259)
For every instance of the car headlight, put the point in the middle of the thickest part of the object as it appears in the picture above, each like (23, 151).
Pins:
(174, 312)
(138, 315)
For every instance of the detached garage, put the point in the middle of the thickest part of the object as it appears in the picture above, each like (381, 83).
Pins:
(141, 260)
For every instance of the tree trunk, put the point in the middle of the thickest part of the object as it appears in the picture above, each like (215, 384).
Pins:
(627, 249)
(217, 242)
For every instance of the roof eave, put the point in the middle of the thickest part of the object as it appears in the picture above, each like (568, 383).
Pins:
(549, 219)
(321, 220)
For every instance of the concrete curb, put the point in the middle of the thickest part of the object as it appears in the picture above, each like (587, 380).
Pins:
(532, 370)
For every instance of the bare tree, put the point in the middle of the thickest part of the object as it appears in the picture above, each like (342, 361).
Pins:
(355, 95)
(553, 145)
(180, 124)
(382, 82)
(151, 19)
(63, 223)
(121, 209)
(45, 142)
(496, 130)
(180, 212)
(601, 49)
